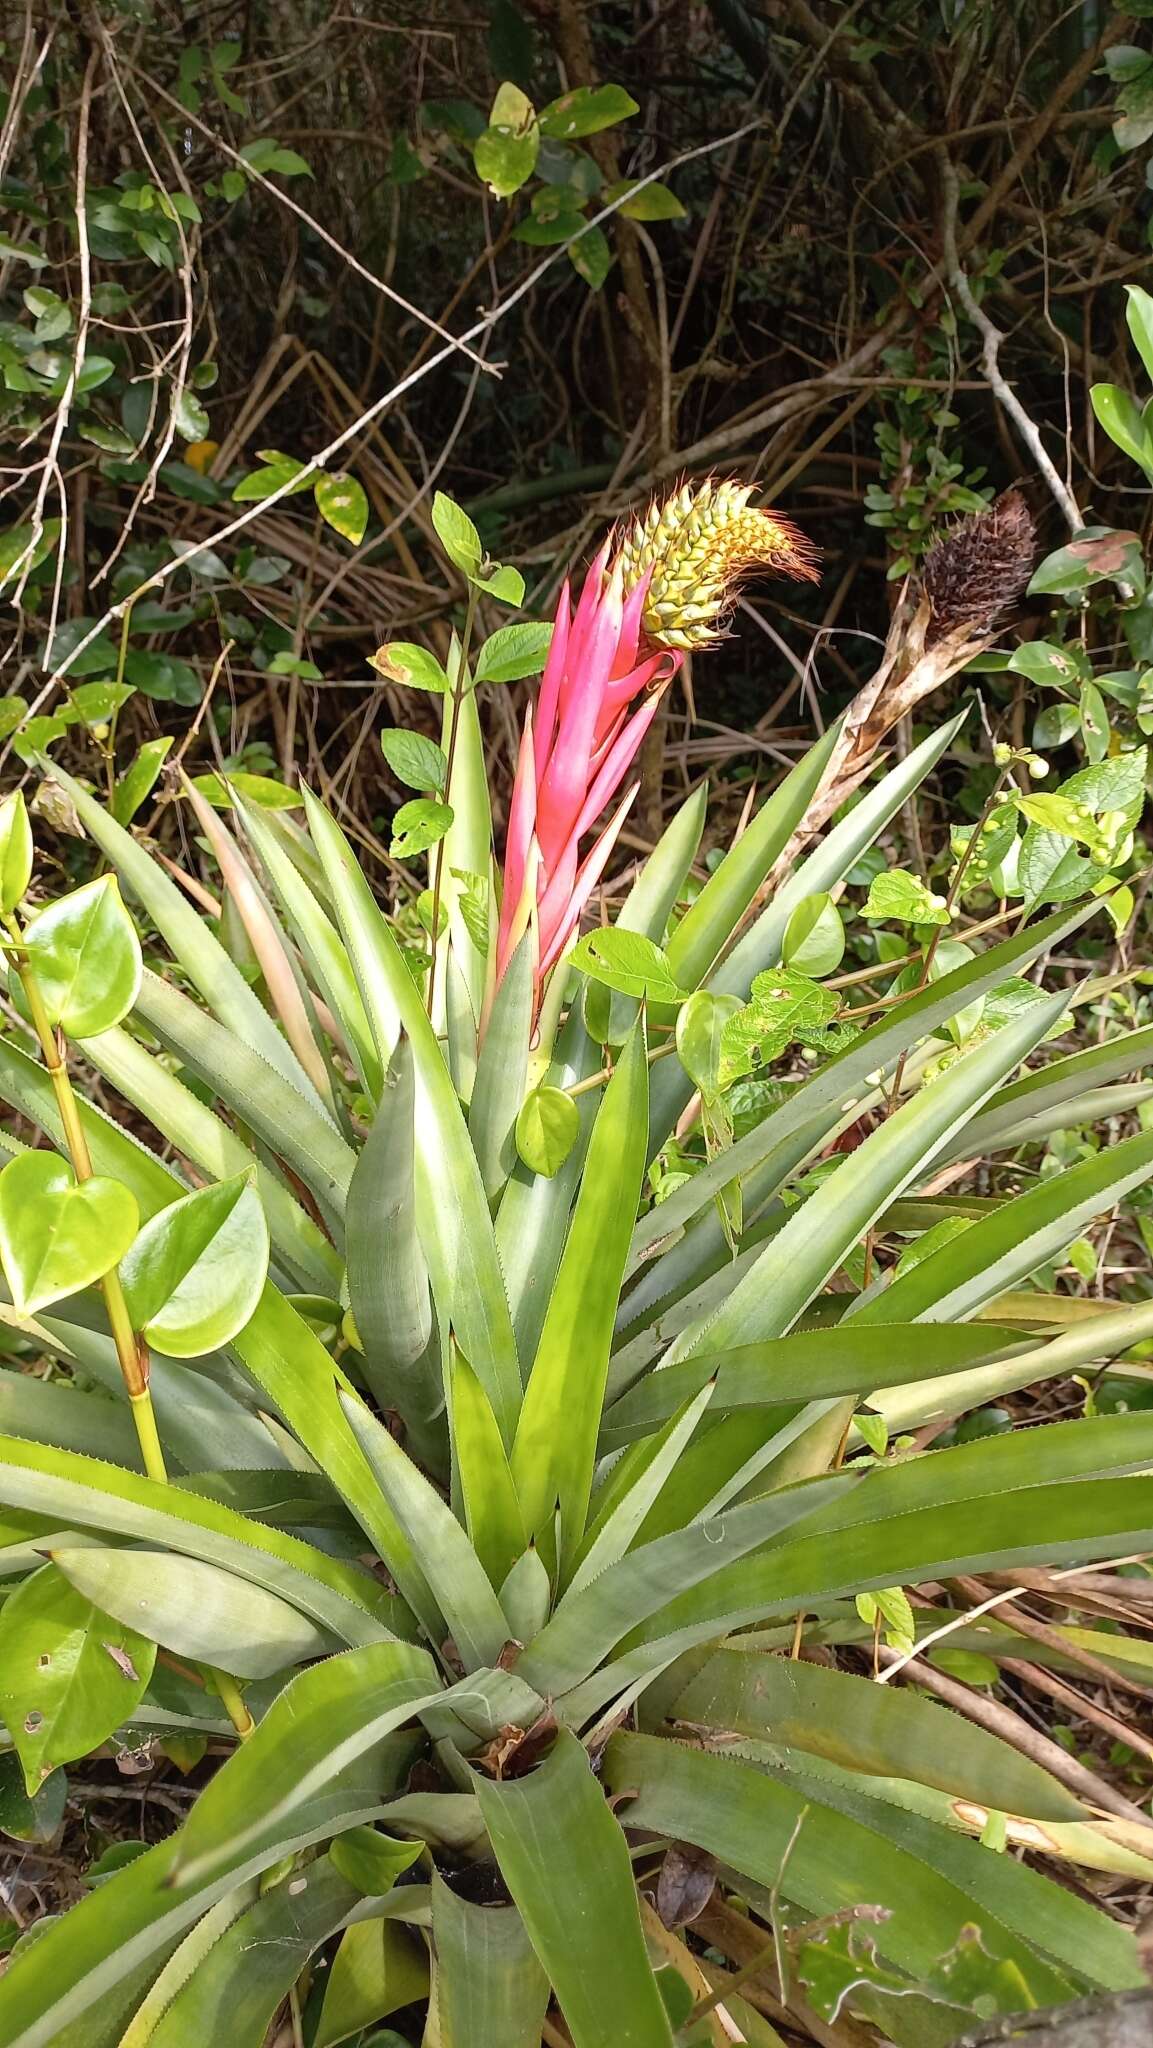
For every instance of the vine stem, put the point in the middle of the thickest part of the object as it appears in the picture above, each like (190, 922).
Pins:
(132, 1354)
(232, 1700)
(131, 1350)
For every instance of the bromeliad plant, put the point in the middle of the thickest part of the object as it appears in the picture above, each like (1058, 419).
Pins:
(405, 1444)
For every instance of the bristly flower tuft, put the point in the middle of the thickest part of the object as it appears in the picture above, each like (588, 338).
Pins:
(977, 571)
(694, 547)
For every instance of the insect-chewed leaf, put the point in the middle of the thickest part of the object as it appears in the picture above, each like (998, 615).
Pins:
(904, 899)
(506, 153)
(57, 1234)
(417, 826)
(85, 956)
(629, 962)
(69, 1674)
(785, 1007)
(196, 1271)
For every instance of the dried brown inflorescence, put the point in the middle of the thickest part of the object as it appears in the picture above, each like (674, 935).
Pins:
(972, 576)
(976, 572)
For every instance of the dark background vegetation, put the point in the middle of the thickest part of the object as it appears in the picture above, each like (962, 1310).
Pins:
(792, 327)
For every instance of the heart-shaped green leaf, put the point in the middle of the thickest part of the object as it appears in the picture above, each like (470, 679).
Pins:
(546, 1129)
(196, 1271)
(85, 956)
(58, 1234)
(814, 941)
(700, 1027)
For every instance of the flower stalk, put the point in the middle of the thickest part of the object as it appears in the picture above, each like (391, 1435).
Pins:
(656, 592)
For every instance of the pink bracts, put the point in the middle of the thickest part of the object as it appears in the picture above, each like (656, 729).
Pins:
(574, 756)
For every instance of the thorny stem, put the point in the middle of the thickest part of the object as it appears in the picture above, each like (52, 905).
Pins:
(459, 692)
(131, 1350)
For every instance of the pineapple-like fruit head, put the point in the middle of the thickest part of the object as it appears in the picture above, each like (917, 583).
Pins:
(695, 547)
(977, 570)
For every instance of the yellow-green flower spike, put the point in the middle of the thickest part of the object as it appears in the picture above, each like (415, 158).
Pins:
(697, 545)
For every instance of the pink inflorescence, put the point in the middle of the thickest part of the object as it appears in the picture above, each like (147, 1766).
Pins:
(574, 756)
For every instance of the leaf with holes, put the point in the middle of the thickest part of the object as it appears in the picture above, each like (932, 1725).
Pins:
(58, 1235)
(903, 898)
(628, 962)
(417, 826)
(69, 1675)
(505, 154)
(784, 1008)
